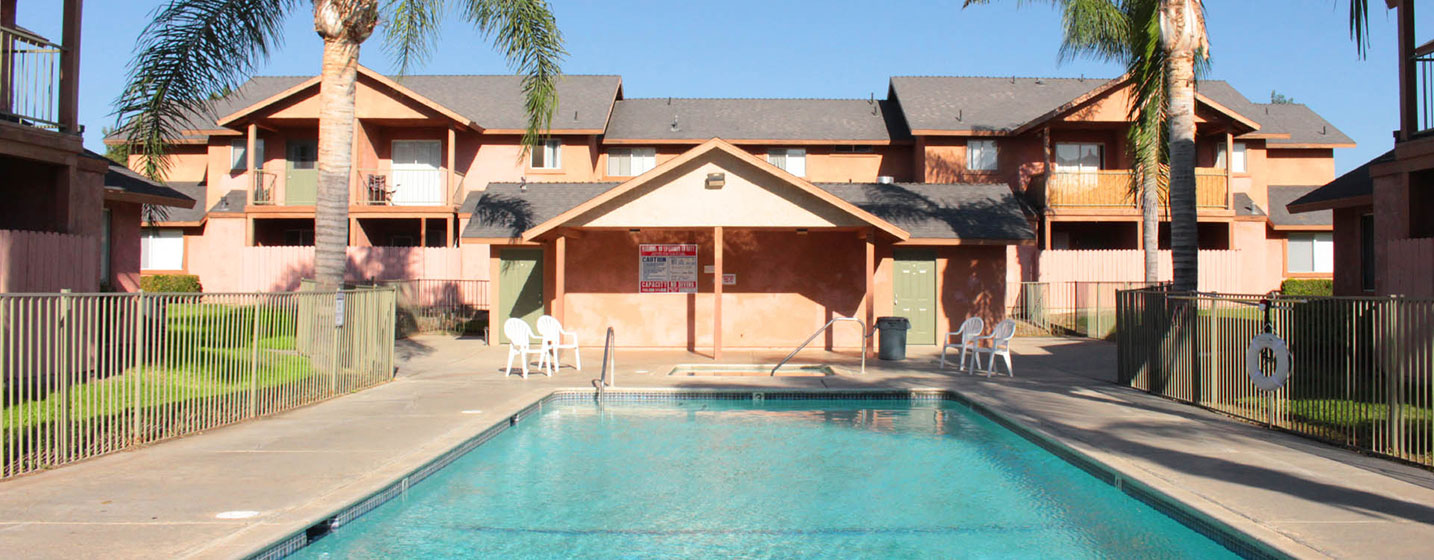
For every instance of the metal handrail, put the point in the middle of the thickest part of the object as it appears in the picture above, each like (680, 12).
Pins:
(608, 357)
(864, 337)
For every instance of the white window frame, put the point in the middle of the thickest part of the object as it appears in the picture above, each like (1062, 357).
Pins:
(637, 160)
(982, 155)
(161, 249)
(238, 161)
(1080, 150)
(1320, 248)
(1241, 162)
(791, 160)
(549, 155)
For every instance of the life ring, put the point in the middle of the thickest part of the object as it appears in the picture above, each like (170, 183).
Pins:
(1268, 341)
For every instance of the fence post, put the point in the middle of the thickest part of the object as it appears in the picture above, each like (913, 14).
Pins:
(62, 347)
(334, 346)
(1393, 377)
(254, 360)
(139, 308)
(391, 328)
(1213, 391)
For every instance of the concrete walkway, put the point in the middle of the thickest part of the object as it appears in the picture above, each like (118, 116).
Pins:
(294, 469)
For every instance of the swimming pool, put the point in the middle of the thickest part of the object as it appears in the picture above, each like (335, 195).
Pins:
(764, 478)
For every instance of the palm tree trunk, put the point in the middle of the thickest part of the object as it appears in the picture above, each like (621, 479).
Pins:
(1150, 218)
(343, 25)
(1184, 240)
(1182, 29)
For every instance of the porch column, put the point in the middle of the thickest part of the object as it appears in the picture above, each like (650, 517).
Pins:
(448, 231)
(69, 101)
(423, 232)
(870, 296)
(449, 160)
(1230, 170)
(560, 276)
(251, 140)
(717, 293)
(353, 232)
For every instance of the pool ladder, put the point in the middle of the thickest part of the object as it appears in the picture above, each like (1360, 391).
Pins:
(609, 366)
(865, 336)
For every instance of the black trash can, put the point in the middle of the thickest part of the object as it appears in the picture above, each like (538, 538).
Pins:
(891, 344)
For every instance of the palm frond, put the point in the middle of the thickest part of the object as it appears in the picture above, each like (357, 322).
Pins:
(411, 30)
(1359, 26)
(527, 33)
(190, 50)
(1094, 28)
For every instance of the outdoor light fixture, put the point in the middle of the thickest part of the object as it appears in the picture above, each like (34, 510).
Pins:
(634, 230)
(716, 180)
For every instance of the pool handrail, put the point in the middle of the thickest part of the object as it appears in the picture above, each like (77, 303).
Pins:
(864, 337)
(608, 358)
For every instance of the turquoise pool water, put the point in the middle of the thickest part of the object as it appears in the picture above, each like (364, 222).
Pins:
(782, 479)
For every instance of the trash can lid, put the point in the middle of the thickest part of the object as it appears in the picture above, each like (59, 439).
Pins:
(893, 323)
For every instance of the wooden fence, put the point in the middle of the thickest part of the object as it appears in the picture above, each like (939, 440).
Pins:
(83, 375)
(1361, 370)
(282, 268)
(1220, 270)
(33, 261)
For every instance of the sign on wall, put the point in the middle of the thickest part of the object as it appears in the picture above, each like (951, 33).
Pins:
(667, 268)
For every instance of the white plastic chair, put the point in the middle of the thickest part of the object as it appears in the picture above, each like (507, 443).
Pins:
(552, 332)
(1000, 340)
(969, 331)
(520, 344)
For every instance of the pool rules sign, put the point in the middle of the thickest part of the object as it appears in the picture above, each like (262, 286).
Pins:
(667, 268)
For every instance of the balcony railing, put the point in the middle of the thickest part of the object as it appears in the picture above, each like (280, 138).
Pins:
(263, 188)
(1112, 189)
(404, 187)
(1424, 88)
(29, 79)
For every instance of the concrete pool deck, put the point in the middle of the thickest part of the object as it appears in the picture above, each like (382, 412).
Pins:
(294, 469)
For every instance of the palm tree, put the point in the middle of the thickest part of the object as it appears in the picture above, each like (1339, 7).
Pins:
(1128, 32)
(197, 48)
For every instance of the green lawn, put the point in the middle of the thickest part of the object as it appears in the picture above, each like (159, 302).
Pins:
(207, 352)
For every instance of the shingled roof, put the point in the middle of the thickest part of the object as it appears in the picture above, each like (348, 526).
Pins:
(133, 187)
(974, 212)
(506, 210)
(757, 119)
(1352, 188)
(963, 103)
(1280, 215)
(926, 210)
(492, 101)
(1304, 126)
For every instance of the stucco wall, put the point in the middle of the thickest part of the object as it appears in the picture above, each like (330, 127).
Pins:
(124, 245)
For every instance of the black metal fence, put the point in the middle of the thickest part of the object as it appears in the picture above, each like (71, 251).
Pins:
(1360, 370)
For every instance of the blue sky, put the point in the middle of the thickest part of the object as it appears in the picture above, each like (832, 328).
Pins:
(835, 48)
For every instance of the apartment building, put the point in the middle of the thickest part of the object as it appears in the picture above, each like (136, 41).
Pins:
(933, 202)
(1382, 228)
(70, 219)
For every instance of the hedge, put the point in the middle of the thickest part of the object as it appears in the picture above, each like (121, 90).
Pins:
(170, 283)
(1308, 287)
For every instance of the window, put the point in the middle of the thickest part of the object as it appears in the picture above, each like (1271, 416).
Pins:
(629, 162)
(791, 160)
(238, 159)
(548, 155)
(1079, 158)
(1237, 164)
(1310, 252)
(981, 155)
(852, 149)
(161, 249)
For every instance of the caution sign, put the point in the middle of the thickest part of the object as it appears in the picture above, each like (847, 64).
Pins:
(667, 268)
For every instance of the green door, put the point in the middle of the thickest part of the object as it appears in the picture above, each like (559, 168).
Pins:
(914, 286)
(301, 180)
(520, 287)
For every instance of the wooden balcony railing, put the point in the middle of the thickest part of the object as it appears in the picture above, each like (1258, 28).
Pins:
(29, 79)
(1112, 189)
(399, 187)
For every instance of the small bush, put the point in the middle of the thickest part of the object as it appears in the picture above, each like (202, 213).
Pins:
(171, 283)
(1308, 287)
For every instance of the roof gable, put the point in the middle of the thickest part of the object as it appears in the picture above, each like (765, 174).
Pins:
(757, 194)
(873, 121)
(380, 96)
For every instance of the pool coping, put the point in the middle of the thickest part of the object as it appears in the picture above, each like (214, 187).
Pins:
(1240, 535)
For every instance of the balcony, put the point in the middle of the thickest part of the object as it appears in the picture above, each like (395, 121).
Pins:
(1112, 189)
(368, 188)
(1424, 89)
(29, 79)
